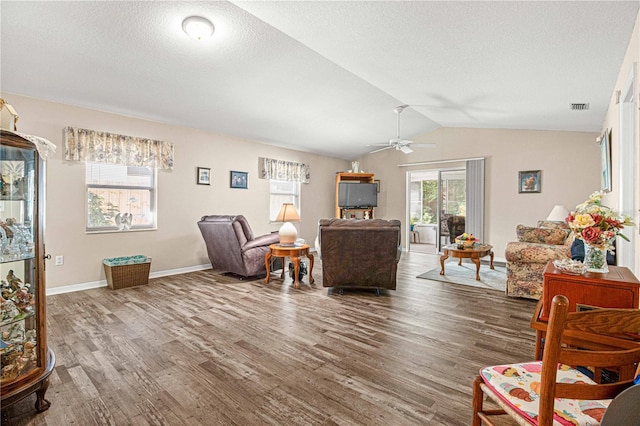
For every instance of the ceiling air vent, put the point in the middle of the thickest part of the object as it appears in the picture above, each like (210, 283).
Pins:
(579, 107)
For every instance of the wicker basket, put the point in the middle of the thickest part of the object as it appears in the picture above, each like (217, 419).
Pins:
(124, 276)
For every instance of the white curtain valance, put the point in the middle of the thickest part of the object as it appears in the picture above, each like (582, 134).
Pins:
(284, 170)
(111, 148)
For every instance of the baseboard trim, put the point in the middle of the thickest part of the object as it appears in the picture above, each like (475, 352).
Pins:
(103, 283)
(498, 261)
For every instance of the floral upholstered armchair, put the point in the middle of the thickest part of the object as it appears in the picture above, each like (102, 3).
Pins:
(527, 257)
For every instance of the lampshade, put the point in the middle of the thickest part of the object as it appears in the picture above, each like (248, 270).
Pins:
(197, 27)
(558, 214)
(288, 213)
(288, 233)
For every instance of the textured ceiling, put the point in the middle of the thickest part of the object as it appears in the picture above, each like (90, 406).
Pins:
(323, 76)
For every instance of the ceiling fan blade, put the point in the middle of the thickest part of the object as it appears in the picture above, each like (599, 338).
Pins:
(423, 145)
(381, 149)
(405, 149)
(378, 144)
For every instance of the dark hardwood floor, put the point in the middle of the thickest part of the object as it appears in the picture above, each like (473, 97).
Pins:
(204, 349)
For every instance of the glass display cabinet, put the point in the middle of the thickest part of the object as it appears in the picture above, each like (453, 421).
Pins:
(26, 360)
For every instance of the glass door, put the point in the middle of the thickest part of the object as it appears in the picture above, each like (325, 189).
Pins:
(18, 320)
(452, 196)
(423, 211)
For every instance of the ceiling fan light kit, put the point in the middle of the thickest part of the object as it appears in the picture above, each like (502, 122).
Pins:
(397, 143)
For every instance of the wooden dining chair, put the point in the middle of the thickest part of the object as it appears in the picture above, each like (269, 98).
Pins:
(559, 390)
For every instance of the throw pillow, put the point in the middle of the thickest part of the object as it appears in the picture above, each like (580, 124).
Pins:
(528, 234)
(552, 224)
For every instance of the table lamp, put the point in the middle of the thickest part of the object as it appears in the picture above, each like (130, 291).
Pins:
(558, 214)
(288, 233)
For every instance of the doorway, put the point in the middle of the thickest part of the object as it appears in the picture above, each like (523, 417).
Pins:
(453, 205)
(434, 196)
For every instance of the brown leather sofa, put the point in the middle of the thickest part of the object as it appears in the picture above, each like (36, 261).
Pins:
(231, 246)
(359, 253)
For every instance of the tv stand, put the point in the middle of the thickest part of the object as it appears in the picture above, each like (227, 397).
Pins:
(357, 213)
(353, 177)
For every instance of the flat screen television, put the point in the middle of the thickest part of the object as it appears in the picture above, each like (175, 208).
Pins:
(357, 195)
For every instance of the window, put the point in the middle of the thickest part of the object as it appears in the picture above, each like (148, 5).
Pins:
(120, 197)
(283, 192)
(453, 192)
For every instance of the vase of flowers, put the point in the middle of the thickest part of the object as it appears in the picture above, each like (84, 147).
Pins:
(597, 226)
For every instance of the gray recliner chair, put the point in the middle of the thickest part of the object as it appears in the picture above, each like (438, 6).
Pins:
(231, 246)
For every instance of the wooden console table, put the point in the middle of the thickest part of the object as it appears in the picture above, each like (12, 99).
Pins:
(618, 288)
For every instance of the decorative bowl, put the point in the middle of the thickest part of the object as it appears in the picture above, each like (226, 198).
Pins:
(462, 244)
(568, 266)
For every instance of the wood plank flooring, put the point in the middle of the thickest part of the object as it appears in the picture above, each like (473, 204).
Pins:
(204, 349)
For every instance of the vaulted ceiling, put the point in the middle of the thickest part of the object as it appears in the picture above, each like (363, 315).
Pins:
(323, 76)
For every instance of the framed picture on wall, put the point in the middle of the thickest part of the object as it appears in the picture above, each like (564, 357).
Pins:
(605, 161)
(239, 179)
(204, 176)
(529, 181)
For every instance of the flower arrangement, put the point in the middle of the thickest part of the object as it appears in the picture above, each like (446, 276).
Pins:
(596, 224)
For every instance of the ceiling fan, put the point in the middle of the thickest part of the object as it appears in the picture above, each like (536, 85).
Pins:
(403, 145)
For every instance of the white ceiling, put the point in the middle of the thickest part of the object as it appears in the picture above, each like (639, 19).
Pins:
(323, 76)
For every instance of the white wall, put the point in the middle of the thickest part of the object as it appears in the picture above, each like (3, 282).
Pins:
(177, 242)
(612, 122)
(569, 161)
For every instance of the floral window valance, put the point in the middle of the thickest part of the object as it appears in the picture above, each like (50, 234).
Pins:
(284, 170)
(111, 148)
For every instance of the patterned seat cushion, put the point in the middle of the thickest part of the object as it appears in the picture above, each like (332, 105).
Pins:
(518, 385)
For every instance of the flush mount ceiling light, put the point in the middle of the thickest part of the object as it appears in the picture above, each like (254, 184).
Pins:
(198, 27)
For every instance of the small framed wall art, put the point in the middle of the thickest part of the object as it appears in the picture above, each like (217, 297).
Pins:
(529, 181)
(239, 179)
(203, 176)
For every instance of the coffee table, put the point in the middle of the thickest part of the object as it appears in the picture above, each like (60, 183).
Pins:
(294, 253)
(474, 253)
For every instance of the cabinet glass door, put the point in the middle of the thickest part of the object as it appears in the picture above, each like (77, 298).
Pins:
(18, 321)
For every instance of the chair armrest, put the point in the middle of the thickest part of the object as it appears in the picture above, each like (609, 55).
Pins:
(261, 241)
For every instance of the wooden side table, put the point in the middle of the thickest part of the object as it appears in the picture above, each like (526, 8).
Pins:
(618, 288)
(474, 253)
(294, 253)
